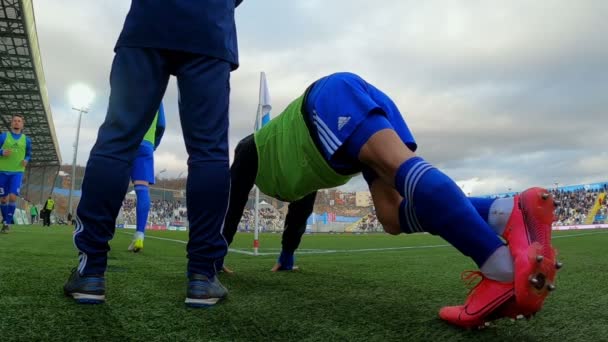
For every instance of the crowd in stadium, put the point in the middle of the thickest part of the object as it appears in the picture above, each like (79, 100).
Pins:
(160, 211)
(573, 209)
(269, 220)
(369, 223)
(574, 206)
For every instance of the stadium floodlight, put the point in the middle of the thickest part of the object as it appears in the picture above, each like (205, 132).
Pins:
(81, 97)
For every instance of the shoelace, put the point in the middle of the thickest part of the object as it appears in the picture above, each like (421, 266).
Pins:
(470, 279)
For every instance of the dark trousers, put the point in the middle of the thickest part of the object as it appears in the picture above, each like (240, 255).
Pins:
(46, 218)
(138, 81)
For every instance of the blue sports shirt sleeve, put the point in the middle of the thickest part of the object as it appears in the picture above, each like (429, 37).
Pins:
(28, 149)
(2, 138)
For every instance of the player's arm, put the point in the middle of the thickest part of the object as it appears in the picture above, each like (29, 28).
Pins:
(2, 139)
(160, 126)
(28, 150)
(298, 213)
(242, 177)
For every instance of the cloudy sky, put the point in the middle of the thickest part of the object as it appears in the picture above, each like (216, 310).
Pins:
(499, 94)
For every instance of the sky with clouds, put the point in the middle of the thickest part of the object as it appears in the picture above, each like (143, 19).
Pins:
(499, 94)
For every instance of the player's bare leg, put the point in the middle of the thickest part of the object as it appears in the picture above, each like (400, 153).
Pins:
(387, 155)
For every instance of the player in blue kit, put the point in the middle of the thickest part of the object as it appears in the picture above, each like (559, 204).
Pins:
(196, 42)
(343, 125)
(15, 154)
(142, 175)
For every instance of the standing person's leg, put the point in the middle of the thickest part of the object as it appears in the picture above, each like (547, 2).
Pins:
(295, 226)
(142, 210)
(142, 175)
(204, 89)
(4, 209)
(13, 191)
(4, 183)
(138, 81)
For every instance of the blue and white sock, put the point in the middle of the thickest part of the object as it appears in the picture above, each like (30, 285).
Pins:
(434, 203)
(495, 211)
(10, 211)
(142, 208)
(4, 210)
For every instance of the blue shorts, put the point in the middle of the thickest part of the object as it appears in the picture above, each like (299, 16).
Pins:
(338, 104)
(10, 183)
(143, 166)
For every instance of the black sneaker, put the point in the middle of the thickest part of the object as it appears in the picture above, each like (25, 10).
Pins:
(86, 289)
(4, 229)
(204, 292)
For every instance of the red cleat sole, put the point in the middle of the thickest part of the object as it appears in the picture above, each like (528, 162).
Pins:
(534, 256)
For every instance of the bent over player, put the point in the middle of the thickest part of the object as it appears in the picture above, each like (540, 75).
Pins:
(343, 125)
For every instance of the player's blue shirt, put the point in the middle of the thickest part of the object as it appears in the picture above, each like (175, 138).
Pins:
(28, 149)
(203, 27)
(160, 128)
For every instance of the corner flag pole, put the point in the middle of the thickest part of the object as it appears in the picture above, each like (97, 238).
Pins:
(261, 119)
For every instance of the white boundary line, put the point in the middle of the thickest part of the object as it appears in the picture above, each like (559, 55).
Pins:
(332, 251)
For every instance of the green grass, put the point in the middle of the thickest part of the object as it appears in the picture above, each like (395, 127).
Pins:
(376, 295)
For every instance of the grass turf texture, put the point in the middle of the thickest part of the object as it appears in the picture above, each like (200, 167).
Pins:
(375, 295)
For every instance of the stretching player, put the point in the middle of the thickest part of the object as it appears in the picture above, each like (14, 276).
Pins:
(142, 175)
(343, 125)
(15, 153)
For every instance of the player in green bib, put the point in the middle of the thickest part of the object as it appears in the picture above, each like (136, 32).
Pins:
(15, 154)
(342, 125)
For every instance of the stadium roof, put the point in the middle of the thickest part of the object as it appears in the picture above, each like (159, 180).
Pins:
(22, 84)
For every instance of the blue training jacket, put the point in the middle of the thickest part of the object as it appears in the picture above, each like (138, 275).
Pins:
(203, 27)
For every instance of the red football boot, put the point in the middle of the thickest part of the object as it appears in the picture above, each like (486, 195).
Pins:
(528, 233)
(483, 303)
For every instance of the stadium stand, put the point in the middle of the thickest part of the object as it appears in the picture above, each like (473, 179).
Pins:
(579, 205)
(23, 91)
(160, 211)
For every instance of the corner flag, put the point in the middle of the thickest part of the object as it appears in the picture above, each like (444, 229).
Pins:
(261, 119)
(264, 107)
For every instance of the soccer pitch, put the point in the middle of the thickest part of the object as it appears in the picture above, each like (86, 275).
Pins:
(350, 288)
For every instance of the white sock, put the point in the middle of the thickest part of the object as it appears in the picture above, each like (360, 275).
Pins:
(138, 235)
(500, 211)
(499, 265)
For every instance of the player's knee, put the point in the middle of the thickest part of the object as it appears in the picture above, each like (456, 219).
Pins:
(12, 198)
